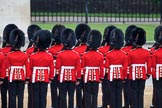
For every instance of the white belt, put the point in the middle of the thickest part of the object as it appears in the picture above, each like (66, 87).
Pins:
(86, 72)
(34, 72)
(133, 69)
(62, 71)
(12, 70)
(157, 70)
(111, 70)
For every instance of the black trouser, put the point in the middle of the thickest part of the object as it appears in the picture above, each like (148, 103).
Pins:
(127, 93)
(154, 92)
(4, 89)
(55, 92)
(116, 93)
(16, 91)
(30, 95)
(67, 87)
(39, 94)
(79, 94)
(137, 93)
(105, 92)
(91, 94)
(158, 91)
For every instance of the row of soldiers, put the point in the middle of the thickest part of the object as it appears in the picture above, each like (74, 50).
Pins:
(77, 60)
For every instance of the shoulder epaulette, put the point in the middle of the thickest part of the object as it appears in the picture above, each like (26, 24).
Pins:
(124, 52)
(110, 51)
(99, 52)
(34, 53)
(75, 51)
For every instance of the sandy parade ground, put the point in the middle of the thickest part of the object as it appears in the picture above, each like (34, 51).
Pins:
(147, 97)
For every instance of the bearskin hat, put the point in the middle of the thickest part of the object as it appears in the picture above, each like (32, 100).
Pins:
(56, 33)
(138, 36)
(68, 38)
(128, 34)
(82, 31)
(94, 39)
(158, 33)
(6, 33)
(31, 30)
(42, 39)
(17, 38)
(106, 36)
(116, 39)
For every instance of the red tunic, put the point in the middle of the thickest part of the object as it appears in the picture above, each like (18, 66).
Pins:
(152, 50)
(139, 61)
(5, 51)
(157, 64)
(104, 49)
(19, 65)
(81, 49)
(127, 49)
(2, 66)
(41, 67)
(92, 62)
(54, 50)
(68, 65)
(30, 50)
(116, 62)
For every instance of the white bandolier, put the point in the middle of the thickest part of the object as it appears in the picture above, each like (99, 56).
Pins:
(16, 71)
(137, 70)
(91, 72)
(158, 71)
(66, 70)
(115, 72)
(40, 71)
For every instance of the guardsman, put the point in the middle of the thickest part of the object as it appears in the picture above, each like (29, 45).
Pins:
(104, 49)
(42, 69)
(139, 62)
(6, 47)
(92, 62)
(81, 31)
(69, 69)
(152, 50)
(55, 48)
(18, 69)
(116, 65)
(31, 30)
(127, 48)
(157, 68)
